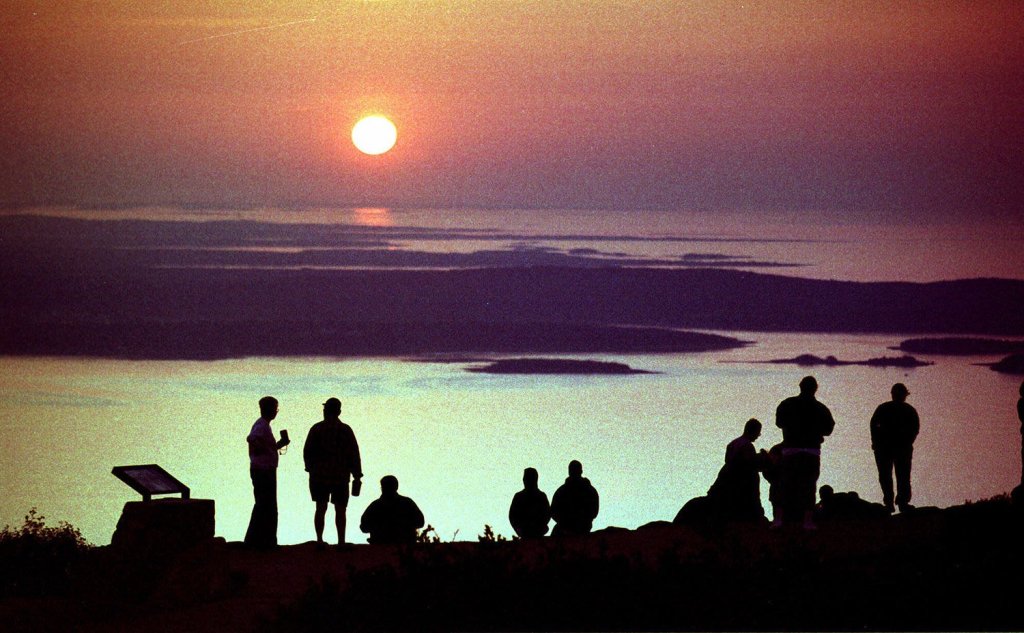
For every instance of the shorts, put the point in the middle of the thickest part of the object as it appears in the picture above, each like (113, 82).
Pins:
(324, 492)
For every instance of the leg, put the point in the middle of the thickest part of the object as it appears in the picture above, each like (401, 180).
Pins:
(318, 520)
(813, 472)
(252, 532)
(884, 463)
(902, 463)
(262, 530)
(339, 522)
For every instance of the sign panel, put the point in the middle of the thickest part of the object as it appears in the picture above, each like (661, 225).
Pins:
(149, 480)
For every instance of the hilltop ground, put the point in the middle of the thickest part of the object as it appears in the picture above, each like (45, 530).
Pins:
(952, 569)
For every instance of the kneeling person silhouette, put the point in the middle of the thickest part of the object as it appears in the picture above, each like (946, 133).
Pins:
(392, 518)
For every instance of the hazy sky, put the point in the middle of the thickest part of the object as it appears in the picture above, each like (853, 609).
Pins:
(859, 109)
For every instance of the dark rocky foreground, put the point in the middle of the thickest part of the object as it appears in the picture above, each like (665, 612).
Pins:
(951, 569)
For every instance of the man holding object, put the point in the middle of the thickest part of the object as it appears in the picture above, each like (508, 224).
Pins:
(262, 532)
(331, 454)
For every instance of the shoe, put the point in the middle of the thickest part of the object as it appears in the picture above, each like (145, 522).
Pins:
(890, 507)
(905, 507)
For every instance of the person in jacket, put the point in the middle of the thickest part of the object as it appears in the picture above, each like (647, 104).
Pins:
(736, 492)
(894, 427)
(1020, 416)
(575, 504)
(805, 423)
(391, 519)
(331, 456)
(530, 511)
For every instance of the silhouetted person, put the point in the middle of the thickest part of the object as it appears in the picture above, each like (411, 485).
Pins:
(804, 422)
(262, 532)
(530, 511)
(391, 519)
(845, 506)
(736, 493)
(1020, 416)
(331, 455)
(894, 427)
(575, 504)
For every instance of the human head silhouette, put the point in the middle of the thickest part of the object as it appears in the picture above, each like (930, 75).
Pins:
(826, 492)
(388, 485)
(575, 469)
(899, 392)
(268, 407)
(808, 386)
(332, 408)
(530, 478)
(752, 429)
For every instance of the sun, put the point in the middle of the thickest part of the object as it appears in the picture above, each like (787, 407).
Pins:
(374, 135)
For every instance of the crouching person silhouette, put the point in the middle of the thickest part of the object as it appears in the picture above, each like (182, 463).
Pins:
(392, 518)
(575, 504)
(530, 511)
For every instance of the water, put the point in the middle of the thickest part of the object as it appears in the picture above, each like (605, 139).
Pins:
(809, 246)
(458, 441)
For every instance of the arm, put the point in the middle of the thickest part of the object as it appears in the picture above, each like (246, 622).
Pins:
(876, 427)
(415, 516)
(309, 449)
(357, 462)
(828, 422)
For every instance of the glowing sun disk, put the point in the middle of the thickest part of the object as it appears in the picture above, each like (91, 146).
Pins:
(374, 135)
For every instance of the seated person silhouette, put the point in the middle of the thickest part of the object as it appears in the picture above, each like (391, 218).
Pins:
(530, 511)
(845, 506)
(575, 504)
(392, 518)
(736, 493)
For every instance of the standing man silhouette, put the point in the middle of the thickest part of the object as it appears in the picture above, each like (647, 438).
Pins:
(331, 455)
(894, 427)
(804, 422)
(1020, 416)
(262, 532)
(575, 504)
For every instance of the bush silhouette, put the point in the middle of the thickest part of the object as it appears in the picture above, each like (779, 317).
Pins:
(36, 559)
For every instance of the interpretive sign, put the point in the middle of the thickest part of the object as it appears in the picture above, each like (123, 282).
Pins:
(149, 480)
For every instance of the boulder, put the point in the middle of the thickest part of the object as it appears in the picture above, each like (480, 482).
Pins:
(164, 526)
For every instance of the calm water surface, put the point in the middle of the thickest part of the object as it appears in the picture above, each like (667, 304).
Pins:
(458, 441)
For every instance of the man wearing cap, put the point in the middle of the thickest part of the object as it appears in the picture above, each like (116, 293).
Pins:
(894, 427)
(331, 454)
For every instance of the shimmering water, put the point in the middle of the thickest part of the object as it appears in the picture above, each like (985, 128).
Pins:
(458, 441)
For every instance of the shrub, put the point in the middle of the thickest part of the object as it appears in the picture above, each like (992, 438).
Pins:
(36, 559)
(490, 536)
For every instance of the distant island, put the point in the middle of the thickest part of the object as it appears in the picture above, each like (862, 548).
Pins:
(1012, 364)
(810, 360)
(554, 366)
(960, 346)
(210, 340)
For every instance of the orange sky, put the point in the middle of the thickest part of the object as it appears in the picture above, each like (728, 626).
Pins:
(860, 108)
